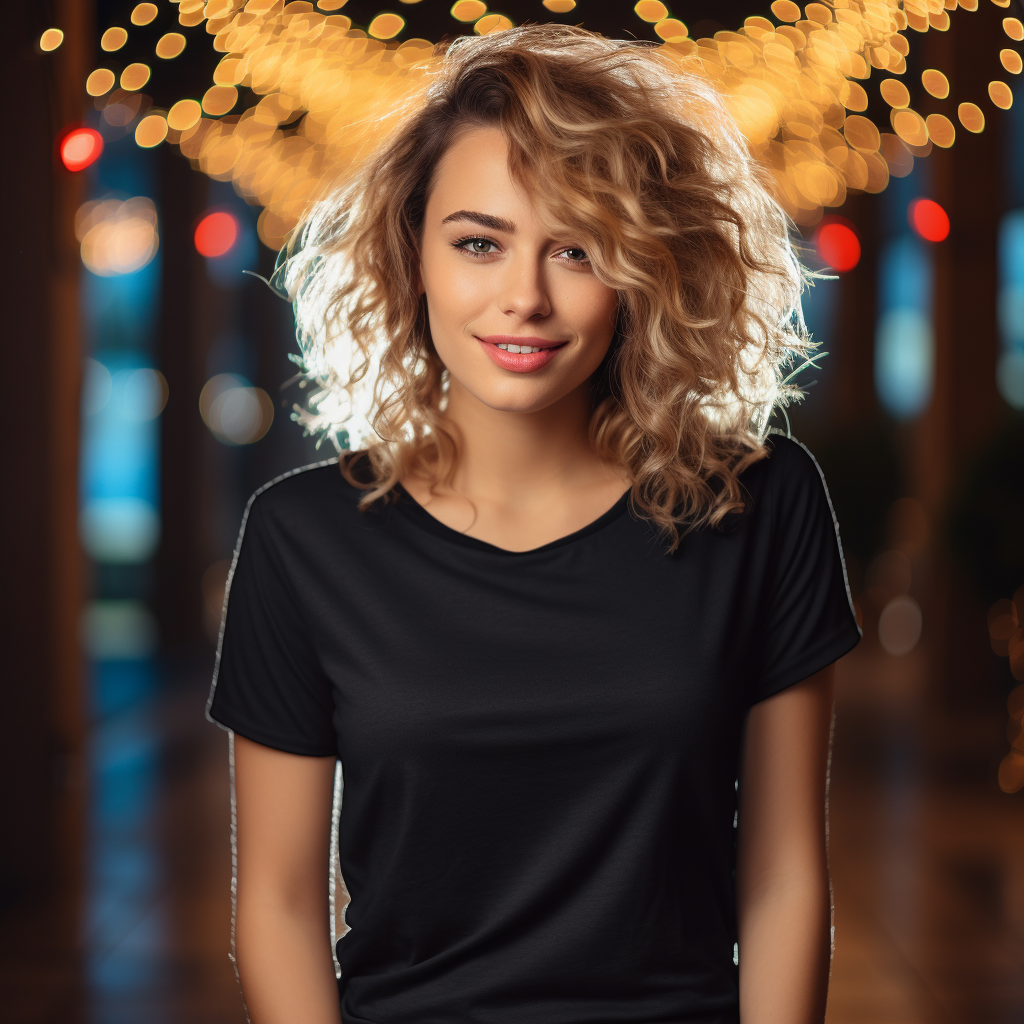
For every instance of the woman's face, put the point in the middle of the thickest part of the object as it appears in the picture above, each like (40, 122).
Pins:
(496, 279)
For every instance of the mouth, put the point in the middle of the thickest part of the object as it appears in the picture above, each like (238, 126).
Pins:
(520, 355)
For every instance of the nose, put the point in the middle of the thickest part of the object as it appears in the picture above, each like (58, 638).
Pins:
(524, 287)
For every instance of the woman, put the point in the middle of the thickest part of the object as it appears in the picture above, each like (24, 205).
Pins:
(569, 620)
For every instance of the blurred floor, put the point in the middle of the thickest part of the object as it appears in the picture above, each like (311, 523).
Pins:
(927, 856)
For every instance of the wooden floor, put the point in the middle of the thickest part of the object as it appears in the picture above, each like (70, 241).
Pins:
(927, 861)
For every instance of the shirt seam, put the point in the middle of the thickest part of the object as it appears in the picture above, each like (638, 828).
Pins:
(234, 562)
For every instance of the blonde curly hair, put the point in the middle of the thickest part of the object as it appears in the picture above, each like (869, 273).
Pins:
(625, 146)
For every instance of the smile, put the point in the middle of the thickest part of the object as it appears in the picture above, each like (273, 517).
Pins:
(520, 355)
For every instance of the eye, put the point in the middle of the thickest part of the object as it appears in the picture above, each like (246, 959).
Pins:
(475, 246)
(575, 255)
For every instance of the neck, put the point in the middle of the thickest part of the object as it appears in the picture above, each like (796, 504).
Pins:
(507, 455)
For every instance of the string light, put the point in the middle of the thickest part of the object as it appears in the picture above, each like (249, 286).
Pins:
(797, 84)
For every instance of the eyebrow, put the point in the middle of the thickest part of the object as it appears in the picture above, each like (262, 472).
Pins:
(483, 219)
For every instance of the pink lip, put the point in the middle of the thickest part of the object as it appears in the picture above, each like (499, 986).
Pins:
(520, 362)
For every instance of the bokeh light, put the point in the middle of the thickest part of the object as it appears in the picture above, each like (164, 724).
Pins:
(935, 83)
(468, 10)
(560, 6)
(143, 14)
(134, 77)
(929, 220)
(1013, 28)
(1011, 60)
(215, 234)
(99, 82)
(235, 412)
(117, 236)
(838, 244)
(151, 131)
(183, 115)
(899, 625)
(170, 45)
(80, 148)
(971, 117)
(651, 10)
(50, 40)
(1000, 94)
(385, 26)
(113, 39)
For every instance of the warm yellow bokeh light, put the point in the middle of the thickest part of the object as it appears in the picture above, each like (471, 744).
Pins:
(51, 39)
(861, 133)
(491, 23)
(113, 39)
(183, 115)
(559, 6)
(1001, 3)
(786, 10)
(151, 131)
(1010, 59)
(134, 77)
(895, 93)
(334, 5)
(170, 45)
(468, 10)
(1000, 94)
(672, 30)
(99, 82)
(940, 130)
(1013, 28)
(651, 10)
(935, 83)
(143, 14)
(219, 99)
(971, 117)
(385, 26)
(910, 126)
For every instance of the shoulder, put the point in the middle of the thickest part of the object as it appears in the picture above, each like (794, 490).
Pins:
(788, 464)
(306, 494)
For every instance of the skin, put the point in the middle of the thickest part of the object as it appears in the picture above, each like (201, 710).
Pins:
(526, 476)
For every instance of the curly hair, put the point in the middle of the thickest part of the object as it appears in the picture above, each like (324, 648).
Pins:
(624, 145)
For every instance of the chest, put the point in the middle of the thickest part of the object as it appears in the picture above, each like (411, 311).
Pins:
(598, 648)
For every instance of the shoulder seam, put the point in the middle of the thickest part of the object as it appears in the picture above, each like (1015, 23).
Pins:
(234, 562)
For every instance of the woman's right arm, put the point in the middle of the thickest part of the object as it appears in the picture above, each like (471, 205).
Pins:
(282, 932)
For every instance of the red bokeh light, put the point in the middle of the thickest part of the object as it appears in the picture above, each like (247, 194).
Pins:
(838, 244)
(216, 233)
(80, 147)
(929, 220)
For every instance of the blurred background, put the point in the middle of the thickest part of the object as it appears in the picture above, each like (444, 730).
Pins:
(150, 392)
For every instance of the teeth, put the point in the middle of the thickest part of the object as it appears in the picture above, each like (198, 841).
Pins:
(519, 348)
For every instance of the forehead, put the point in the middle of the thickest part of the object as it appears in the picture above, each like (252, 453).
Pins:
(474, 171)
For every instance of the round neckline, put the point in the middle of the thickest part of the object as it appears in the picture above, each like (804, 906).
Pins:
(418, 514)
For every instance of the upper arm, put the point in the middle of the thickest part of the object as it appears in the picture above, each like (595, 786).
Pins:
(783, 783)
(283, 808)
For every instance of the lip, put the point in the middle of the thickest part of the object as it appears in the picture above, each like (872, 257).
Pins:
(520, 362)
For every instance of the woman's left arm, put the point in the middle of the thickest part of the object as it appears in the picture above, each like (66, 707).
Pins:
(782, 881)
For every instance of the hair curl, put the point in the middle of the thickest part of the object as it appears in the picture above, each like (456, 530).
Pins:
(636, 154)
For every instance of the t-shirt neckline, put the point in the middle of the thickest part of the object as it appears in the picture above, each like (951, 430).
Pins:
(418, 514)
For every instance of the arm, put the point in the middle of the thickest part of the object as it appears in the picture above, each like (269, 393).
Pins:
(782, 881)
(282, 934)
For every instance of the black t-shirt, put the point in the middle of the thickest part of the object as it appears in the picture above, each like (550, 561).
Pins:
(539, 748)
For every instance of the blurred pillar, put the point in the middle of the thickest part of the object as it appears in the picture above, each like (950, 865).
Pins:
(183, 344)
(42, 740)
(854, 374)
(965, 404)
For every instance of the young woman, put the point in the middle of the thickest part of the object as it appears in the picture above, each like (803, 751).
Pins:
(569, 620)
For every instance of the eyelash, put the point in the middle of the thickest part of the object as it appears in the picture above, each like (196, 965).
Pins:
(480, 238)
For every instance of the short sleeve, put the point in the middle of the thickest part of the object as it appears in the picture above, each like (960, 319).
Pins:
(268, 684)
(808, 617)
